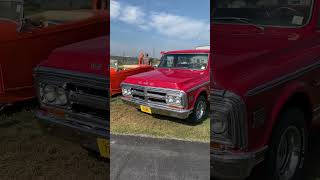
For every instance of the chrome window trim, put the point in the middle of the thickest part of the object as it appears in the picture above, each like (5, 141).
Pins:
(207, 67)
(283, 27)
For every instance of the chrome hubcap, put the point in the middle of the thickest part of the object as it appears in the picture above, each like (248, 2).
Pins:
(201, 109)
(289, 153)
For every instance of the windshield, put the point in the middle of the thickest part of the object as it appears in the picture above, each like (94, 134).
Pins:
(184, 61)
(288, 13)
(58, 11)
(10, 10)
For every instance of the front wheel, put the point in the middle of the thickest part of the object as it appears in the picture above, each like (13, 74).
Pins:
(200, 110)
(288, 147)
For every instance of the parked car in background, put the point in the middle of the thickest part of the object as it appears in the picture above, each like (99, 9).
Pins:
(118, 73)
(72, 86)
(178, 87)
(265, 84)
(27, 40)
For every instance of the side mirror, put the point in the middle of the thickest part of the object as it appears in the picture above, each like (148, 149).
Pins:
(21, 25)
(20, 10)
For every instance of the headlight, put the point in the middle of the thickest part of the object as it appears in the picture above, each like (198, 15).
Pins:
(53, 95)
(174, 100)
(228, 119)
(126, 91)
(49, 93)
(219, 125)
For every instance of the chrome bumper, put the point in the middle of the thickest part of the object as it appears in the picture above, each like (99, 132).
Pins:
(225, 165)
(158, 109)
(73, 128)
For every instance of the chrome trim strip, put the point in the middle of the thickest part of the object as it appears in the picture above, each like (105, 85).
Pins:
(63, 72)
(151, 87)
(199, 86)
(229, 165)
(159, 108)
(283, 79)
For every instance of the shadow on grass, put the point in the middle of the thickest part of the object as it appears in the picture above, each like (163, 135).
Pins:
(176, 120)
(20, 106)
(8, 111)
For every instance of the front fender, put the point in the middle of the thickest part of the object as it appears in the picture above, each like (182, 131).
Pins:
(284, 94)
(196, 93)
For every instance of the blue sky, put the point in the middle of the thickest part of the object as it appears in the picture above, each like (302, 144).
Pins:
(159, 25)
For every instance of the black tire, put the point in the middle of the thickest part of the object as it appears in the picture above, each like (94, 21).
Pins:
(193, 118)
(291, 121)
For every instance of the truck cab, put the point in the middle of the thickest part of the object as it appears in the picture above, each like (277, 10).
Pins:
(178, 87)
(264, 86)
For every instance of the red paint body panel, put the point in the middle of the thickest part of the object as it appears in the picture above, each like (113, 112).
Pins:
(193, 82)
(81, 57)
(244, 59)
(117, 77)
(21, 51)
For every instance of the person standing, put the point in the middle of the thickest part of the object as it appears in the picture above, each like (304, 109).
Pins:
(146, 60)
(140, 58)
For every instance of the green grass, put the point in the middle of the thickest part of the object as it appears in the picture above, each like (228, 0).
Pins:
(128, 120)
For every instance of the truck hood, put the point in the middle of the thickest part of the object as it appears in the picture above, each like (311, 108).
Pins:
(242, 60)
(89, 56)
(170, 78)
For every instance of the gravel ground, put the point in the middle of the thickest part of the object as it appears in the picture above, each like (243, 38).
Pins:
(28, 153)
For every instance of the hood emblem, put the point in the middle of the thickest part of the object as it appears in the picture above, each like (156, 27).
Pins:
(96, 66)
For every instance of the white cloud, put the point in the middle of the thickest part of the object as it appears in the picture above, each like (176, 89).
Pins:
(132, 15)
(166, 24)
(127, 13)
(179, 26)
(114, 9)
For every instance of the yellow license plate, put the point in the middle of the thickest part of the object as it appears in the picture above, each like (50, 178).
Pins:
(145, 109)
(104, 147)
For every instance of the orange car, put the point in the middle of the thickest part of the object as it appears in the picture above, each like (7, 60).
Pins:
(120, 73)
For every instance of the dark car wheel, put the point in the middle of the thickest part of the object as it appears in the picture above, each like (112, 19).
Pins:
(200, 111)
(288, 147)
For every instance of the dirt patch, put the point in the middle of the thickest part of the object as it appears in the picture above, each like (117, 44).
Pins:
(29, 153)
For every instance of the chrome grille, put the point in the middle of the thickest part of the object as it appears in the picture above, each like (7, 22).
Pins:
(88, 95)
(154, 95)
(149, 94)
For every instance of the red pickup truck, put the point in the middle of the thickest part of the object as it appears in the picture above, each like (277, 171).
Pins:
(178, 87)
(265, 86)
(74, 96)
(27, 40)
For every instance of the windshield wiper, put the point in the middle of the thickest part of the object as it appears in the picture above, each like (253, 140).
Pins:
(242, 20)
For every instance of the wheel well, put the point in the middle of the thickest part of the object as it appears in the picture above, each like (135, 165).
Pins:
(203, 93)
(302, 101)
